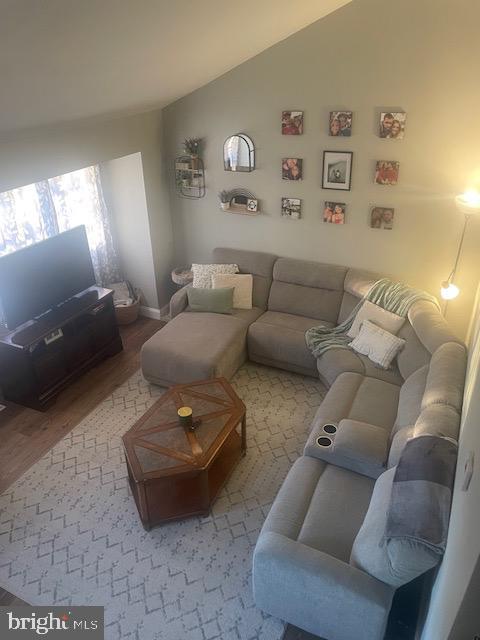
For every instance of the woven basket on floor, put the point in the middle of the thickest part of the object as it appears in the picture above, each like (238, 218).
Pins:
(126, 315)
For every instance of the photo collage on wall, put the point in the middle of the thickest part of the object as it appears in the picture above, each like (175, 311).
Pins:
(337, 166)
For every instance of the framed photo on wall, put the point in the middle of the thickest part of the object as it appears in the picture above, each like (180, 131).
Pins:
(392, 125)
(340, 123)
(386, 172)
(334, 212)
(292, 168)
(337, 170)
(292, 208)
(382, 217)
(292, 123)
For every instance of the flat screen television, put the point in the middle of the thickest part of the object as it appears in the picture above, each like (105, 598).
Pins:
(40, 277)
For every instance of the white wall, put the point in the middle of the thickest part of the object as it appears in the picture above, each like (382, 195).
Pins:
(418, 56)
(463, 546)
(124, 189)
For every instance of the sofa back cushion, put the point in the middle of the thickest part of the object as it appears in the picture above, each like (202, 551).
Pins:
(446, 376)
(431, 399)
(425, 331)
(410, 400)
(309, 289)
(356, 285)
(436, 419)
(259, 264)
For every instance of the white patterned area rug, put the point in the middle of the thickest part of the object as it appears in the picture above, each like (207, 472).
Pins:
(70, 533)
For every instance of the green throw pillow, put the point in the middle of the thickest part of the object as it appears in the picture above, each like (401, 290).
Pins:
(212, 300)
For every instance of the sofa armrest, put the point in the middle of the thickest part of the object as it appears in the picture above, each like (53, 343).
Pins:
(179, 301)
(317, 592)
(358, 446)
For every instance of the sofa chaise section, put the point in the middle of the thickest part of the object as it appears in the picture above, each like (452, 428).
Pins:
(195, 346)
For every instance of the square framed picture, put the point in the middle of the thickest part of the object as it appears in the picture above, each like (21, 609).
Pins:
(292, 168)
(292, 123)
(392, 124)
(334, 212)
(292, 208)
(382, 217)
(340, 123)
(337, 170)
(252, 205)
(386, 172)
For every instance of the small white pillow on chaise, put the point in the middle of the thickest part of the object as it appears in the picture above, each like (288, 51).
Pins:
(242, 284)
(387, 320)
(202, 273)
(378, 345)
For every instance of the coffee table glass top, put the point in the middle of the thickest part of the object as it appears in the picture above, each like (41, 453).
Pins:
(158, 444)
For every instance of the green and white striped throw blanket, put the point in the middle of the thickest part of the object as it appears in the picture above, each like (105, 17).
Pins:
(391, 296)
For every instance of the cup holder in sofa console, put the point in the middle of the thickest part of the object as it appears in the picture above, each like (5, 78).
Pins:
(323, 441)
(330, 428)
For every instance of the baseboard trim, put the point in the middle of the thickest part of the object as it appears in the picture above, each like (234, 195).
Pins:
(150, 312)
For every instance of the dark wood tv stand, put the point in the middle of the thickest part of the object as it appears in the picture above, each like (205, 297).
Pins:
(41, 357)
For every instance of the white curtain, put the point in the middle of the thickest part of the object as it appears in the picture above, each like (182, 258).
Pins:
(38, 211)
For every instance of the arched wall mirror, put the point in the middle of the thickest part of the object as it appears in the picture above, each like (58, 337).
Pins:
(239, 153)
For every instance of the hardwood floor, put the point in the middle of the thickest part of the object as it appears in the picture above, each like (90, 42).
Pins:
(25, 434)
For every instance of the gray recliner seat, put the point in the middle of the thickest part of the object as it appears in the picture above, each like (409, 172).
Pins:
(321, 562)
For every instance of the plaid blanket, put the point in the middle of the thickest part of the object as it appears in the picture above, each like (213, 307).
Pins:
(422, 492)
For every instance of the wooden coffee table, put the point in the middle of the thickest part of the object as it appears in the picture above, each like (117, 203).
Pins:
(175, 472)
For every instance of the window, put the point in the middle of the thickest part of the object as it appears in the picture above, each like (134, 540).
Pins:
(38, 211)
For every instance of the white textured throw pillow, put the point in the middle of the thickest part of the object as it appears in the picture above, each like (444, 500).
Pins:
(202, 273)
(242, 284)
(387, 320)
(376, 343)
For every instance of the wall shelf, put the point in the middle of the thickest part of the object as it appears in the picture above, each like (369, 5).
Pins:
(189, 177)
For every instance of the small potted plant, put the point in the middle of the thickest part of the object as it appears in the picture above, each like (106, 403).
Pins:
(192, 148)
(224, 200)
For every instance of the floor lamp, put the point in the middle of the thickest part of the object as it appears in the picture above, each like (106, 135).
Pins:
(469, 204)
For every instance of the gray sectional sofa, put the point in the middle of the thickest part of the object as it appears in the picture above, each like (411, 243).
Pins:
(321, 561)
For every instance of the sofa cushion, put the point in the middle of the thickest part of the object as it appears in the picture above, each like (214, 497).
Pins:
(414, 354)
(194, 346)
(202, 273)
(242, 284)
(384, 319)
(321, 506)
(278, 339)
(446, 376)
(436, 419)
(259, 264)
(410, 400)
(308, 289)
(379, 345)
(336, 361)
(210, 300)
(430, 326)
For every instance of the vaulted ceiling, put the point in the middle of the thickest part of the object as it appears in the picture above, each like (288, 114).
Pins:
(62, 60)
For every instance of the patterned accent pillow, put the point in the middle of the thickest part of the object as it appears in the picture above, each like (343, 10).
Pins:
(202, 273)
(379, 345)
(381, 317)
